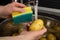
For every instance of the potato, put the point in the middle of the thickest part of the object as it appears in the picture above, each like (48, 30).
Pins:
(57, 28)
(57, 35)
(51, 37)
(37, 25)
(43, 38)
(9, 29)
(15, 34)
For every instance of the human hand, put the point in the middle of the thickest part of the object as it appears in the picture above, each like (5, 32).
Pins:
(12, 7)
(27, 35)
(31, 35)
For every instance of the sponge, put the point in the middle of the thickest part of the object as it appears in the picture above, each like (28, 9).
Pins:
(19, 17)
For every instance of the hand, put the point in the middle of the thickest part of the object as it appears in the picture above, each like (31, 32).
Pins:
(32, 35)
(8, 9)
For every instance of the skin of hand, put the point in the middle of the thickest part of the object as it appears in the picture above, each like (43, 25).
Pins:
(12, 7)
(27, 35)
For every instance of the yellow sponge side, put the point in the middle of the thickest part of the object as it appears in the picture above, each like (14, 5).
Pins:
(27, 10)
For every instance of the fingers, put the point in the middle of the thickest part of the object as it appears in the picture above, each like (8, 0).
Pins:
(13, 7)
(18, 9)
(19, 4)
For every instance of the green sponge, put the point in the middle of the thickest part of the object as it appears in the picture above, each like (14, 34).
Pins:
(26, 16)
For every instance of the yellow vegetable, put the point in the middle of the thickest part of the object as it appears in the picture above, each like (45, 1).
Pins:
(43, 38)
(15, 34)
(51, 37)
(37, 25)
